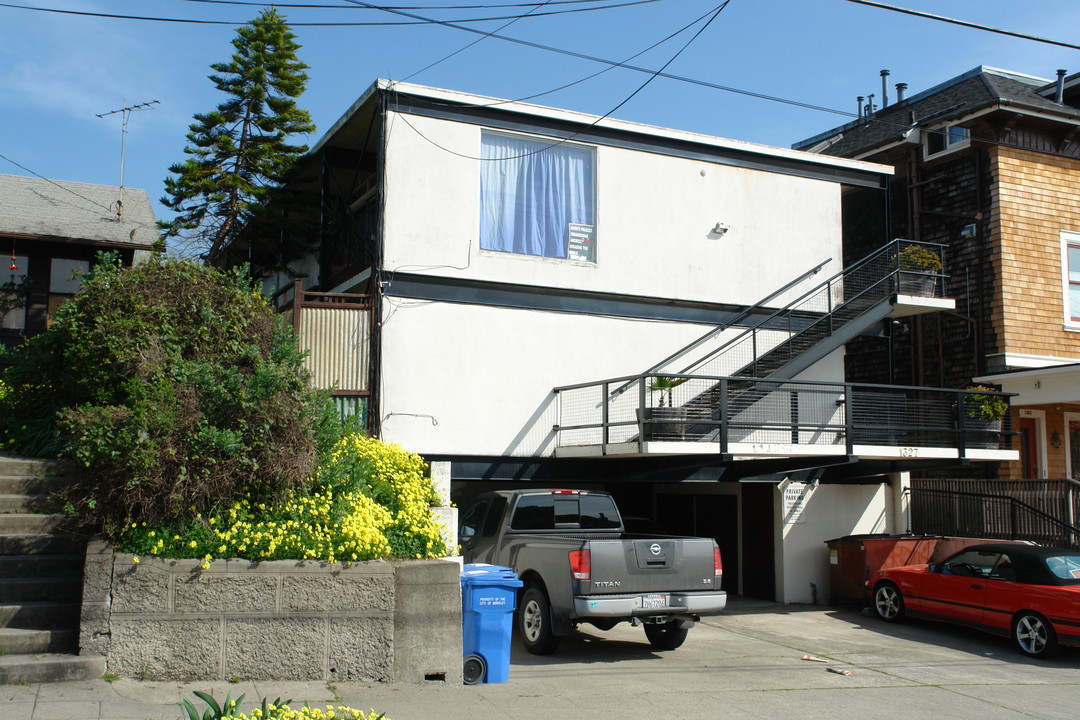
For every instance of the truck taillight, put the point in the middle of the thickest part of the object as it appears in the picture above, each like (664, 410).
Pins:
(717, 563)
(580, 564)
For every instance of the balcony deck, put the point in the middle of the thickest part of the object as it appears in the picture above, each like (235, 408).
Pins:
(757, 451)
(744, 418)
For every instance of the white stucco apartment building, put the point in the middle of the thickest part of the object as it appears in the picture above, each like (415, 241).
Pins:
(468, 272)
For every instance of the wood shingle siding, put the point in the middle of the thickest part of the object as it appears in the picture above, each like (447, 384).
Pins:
(1036, 197)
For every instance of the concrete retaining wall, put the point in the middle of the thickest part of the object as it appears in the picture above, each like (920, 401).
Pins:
(397, 621)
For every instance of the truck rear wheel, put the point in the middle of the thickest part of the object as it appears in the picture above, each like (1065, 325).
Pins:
(666, 636)
(534, 622)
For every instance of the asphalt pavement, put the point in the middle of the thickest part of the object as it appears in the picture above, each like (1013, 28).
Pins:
(751, 662)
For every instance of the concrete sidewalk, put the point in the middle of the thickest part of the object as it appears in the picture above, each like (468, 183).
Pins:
(747, 663)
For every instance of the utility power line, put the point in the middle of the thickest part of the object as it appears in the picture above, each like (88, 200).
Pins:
(66, 189)
(191, 21)
(965, 23)
(715, 13)
(501, 6)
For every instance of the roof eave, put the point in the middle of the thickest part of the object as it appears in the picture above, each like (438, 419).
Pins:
(90, 242)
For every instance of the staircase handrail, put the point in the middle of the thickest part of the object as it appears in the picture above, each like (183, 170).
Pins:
(737, 319)
(854, 267)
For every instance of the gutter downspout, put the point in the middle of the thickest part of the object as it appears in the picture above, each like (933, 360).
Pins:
(375, 377)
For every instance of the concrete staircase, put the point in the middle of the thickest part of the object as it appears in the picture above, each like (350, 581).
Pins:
(41, 571)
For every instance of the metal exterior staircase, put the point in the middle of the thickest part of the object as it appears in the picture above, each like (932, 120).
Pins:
(41, 578)
(793, 338)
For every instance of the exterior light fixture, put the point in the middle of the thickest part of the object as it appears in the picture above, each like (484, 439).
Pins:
(720, 228)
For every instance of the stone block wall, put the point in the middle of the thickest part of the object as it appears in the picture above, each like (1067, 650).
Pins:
(379, 621)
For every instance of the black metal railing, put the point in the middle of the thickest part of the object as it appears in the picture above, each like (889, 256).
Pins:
(819, 320)
(900, 267)
(1041, 511)
(741, 410)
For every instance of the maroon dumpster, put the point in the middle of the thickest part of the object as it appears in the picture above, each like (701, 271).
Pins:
(853, 558)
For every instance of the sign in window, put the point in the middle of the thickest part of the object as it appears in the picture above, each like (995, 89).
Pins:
(537, 197)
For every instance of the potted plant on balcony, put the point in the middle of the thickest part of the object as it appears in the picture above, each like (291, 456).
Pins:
(919, 267)
(983, 414)
(664, 421)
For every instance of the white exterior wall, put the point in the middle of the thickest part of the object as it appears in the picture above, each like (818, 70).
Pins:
(654, 215)
(469, 379)
(485, 375)
(826, 512)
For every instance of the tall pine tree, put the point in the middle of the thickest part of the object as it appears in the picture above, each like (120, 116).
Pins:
(240, 151)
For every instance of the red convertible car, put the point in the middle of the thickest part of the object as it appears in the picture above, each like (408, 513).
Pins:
(1028, 593)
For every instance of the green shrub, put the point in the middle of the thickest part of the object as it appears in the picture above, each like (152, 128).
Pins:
(920, 259)
(368, 500)
(983, 405)
(175, 387)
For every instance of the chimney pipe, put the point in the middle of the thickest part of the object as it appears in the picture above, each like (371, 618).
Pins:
(884, 88)
(1059, 96)
(860, 101)
(901, 92)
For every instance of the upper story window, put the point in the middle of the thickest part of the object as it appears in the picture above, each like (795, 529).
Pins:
(537, 197)
(1070, 270)
(948, 138)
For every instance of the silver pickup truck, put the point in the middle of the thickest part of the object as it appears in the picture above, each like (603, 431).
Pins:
(578, 565)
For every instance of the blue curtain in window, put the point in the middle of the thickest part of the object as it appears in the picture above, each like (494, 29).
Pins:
(530, 193)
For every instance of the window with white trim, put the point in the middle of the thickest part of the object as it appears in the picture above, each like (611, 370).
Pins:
(1070, 271)
(537, 197)
(946, 139)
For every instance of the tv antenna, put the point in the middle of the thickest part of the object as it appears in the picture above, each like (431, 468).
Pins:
(125, 112)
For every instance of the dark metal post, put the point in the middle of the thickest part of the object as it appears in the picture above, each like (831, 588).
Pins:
(605, 436)
(725, 428)
(297, 302)
(641, 414)
(849, 426)
(961, 431)
(829, 306)
(753, 348)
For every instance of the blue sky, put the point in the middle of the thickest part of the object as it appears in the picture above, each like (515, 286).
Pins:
(58, 72)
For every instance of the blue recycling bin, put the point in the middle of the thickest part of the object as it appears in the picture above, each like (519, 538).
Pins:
(488, 599)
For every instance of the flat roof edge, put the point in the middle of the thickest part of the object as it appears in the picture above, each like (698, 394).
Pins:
(576, 117)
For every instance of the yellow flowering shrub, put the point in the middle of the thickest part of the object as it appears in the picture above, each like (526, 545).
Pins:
(277, 710)
(368, 500)
(3, 431)
(395, 479)
(284, 712)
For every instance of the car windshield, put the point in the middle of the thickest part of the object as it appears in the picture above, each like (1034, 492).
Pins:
(1065, 567)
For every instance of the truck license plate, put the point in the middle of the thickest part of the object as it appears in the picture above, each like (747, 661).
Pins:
(654, 601)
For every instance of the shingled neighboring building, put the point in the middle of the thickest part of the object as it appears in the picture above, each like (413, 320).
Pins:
(986, 164)
(51, 230)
